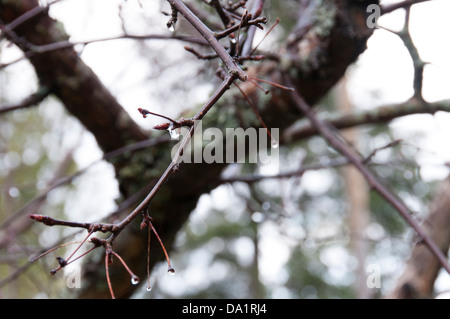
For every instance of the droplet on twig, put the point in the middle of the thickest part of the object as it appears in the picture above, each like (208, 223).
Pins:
(135, 280)
(171, 271)
(174, 132)
(275, 144)
(149, 288)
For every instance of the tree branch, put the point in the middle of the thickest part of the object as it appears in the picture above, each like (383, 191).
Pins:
(382, 114)
(209, 36)
(31, 100)
(422, 268)
(373, 181)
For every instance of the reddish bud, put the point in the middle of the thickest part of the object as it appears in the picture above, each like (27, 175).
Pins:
(36, 217)
(162, 127)
(46, 220)
(144, 112)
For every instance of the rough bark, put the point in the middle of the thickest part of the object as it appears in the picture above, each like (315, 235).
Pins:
(316, 55)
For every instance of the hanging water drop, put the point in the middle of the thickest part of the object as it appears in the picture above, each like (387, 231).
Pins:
(171, 271)
(275, 144)
(174, 132)
(135, 280)
(149, 288)
(172, 28)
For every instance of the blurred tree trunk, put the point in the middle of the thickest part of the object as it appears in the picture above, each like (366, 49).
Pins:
(357, 195)
(422, 268)
(316, 54)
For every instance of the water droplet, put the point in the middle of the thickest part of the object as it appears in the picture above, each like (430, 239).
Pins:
(171, 271)
(149, 288)
(135, 280)
(172, 28)
(275, 144)
(174, 132)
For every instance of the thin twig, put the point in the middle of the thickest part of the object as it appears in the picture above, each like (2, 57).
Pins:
(381, 114)
(45, 48)
(244, 23)
(32, 100)
(400, 5)
(173, 166)
(209, 36)
(107, 261)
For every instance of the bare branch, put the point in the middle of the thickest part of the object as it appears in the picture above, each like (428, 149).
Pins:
(209, 36)
(382, 114)
(400, 5)
(174, 165)
(31, 100)
(339, 144)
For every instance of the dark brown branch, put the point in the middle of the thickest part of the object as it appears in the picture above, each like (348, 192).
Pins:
(143, 206)
(209, 36)
(400, 5)
(92, 227)
(296, 173)
(203, 56)
(418, 64)
(245, 23)
(31, 100)
(26, 16)
(226, 18)
(59, 45)
(338, 143)
(337, 162)
(382, 114)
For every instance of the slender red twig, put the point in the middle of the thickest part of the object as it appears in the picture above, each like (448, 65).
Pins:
(149, 233)
(267, 33)
(145, 112)
(134, 278)
(53, 249)
(81, 244)
(108, 280)
(171, 270)
(287, 88)
(255, 110)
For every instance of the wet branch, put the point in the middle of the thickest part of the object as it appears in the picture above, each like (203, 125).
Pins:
(341, 146)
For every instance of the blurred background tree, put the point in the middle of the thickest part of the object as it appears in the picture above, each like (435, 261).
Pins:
(233, 231)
